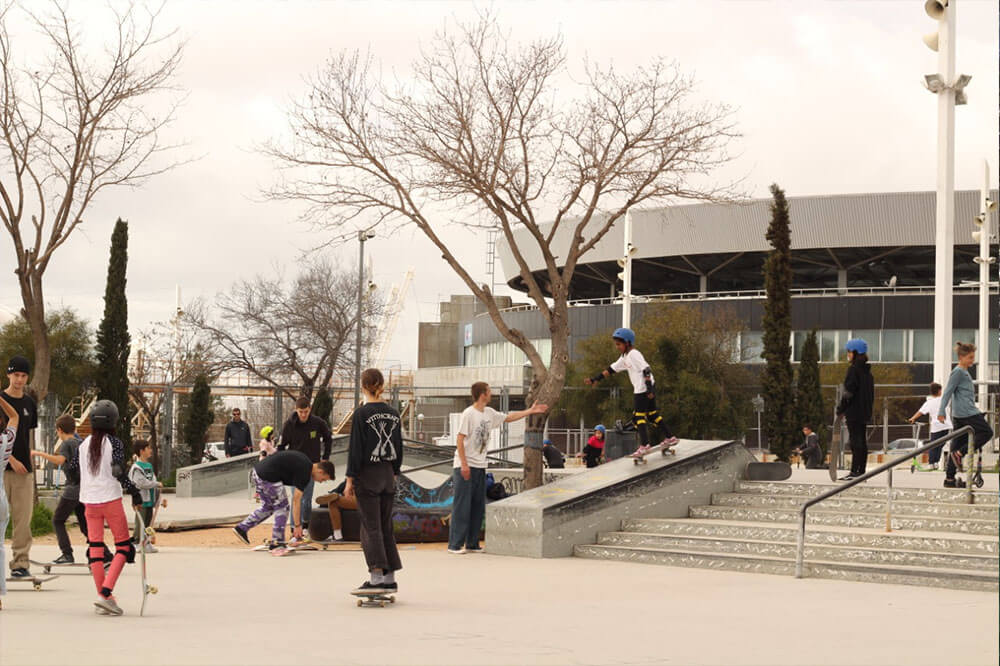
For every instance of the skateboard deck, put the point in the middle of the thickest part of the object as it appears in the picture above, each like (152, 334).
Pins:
(147, 589)
(36, 581)
(768, 471)
(663, 449)
(374, 599)
(835, 446)
(47, 567)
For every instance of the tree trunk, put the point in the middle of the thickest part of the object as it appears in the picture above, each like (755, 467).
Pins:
(35, 314)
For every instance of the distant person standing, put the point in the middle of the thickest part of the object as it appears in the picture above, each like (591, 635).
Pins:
(469, 505)
(939, 429)
(303, 432)
(960, 393)
(856, 404)
(18, 480)
(238, 437)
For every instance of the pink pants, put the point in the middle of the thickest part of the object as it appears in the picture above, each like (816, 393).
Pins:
(113, 513)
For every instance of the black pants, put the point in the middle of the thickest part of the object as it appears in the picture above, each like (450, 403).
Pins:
(647, 416)
(375, 488)
(981, 433)
(858, 431)
(592, 455)
(147, 519)
(65, 509)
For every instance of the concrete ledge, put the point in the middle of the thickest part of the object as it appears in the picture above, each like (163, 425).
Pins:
(218, 477)
(549, 521)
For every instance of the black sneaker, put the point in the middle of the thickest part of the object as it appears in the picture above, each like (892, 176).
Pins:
(20, 572)
(369, 587)
(849, 477)
(241, 534)
(65, 558)
(390, 587)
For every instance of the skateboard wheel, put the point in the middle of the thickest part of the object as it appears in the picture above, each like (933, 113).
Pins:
(150, 531)
(381, 604)
(153, 589)
(37, 586)
(360, 603)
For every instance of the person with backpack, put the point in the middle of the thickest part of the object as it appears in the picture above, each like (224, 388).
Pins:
(856, 402)
(960, 393)
(101, 462)
(644, 399)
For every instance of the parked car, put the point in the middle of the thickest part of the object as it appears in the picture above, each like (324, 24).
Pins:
(214, 451)
(905, 445)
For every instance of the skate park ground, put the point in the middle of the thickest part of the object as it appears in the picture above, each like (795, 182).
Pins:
(230, 606)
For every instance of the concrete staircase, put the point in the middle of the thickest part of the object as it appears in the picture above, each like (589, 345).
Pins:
(938, 539)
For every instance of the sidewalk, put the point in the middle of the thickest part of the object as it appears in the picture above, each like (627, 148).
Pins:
(240, 607)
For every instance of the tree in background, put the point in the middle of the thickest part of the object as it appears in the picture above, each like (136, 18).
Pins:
(197, 415)
(498, 134)
(70, 347)
(779, 422)
(113, 340)
(74, 124)
(808, 394)
(702, 388)
(323, 404)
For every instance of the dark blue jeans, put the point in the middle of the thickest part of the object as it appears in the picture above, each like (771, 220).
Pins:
(307, 501)
(468, 510)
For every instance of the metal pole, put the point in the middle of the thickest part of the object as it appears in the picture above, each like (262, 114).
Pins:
(167, 431)
(627, 274)
(362, 236)
(983, 362)
(885, 426)
(801, 545)
(944, 261)
(888, 503)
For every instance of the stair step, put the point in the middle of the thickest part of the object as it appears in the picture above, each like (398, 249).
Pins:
(870, 520)
(896, 574)
(949, 495)
(862, 505)
(787, 550)
(953, 544)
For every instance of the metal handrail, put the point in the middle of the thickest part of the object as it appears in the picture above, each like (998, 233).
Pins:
(451, 460)
(887, 467)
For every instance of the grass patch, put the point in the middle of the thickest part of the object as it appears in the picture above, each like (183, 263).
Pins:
(41, 522)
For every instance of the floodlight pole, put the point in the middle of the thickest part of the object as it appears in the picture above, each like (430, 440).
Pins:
(627, 274)
(983, 358)
(944, 238)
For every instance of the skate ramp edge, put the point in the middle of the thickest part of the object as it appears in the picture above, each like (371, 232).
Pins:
(550, 520)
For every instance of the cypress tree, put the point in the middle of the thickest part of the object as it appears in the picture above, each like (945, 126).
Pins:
(808, 395)
(113, 340)
(779, 423)
(197, 416)
(323, 404)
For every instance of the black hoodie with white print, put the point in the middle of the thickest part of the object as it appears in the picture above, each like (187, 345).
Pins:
(376, 437)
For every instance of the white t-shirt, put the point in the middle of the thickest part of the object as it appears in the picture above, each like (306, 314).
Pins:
(102, 486)
(635, 363)
(476, 426)
(932, 406)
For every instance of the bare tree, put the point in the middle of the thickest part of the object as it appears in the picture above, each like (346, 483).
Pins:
(298, 332)
(70, 130)
(480, 134)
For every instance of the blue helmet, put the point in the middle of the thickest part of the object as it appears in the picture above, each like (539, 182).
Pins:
(626, 335)
(546, 441)
(600, 428)
(857, 345)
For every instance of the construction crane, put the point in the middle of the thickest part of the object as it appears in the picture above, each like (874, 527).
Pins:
(391, 318)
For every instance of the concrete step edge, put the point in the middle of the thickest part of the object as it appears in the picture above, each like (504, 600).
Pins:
(873, 514)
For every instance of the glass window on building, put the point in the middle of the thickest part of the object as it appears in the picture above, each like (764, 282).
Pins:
(961, 335)
(923, 346)
(828, 346)
(994, 346)
(893, 345)
(798, 342)
(752, 345)
(871, 336)
(842, 338)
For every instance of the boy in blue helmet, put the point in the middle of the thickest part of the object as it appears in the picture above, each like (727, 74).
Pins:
(641, 376)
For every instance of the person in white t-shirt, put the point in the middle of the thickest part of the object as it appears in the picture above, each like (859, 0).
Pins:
(469, 506)
(938, 429)
(641, 376)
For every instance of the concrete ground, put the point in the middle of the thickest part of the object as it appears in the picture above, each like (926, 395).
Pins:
(221, 606)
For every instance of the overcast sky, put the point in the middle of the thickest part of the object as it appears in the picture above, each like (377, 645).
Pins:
(828, 97)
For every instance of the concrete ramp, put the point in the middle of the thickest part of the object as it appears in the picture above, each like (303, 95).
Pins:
(549, 521)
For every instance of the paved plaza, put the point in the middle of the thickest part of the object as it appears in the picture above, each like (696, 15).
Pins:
(232, 606)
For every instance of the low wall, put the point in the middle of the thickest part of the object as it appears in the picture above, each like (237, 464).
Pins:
(548, 521)
(218, 477)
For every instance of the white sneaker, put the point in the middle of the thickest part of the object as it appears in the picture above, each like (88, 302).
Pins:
(108, 606)
(150, 548)
(460, 551)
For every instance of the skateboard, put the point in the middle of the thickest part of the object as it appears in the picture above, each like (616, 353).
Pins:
(835, 446)
(976, 475)
(147, 589)
(36, 581)
(374, 599)
(47, 567)
(768, 471)
(640, 459)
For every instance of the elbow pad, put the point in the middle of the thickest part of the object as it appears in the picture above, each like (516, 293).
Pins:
(647, 373)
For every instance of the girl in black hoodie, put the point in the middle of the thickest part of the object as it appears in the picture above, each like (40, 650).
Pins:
(856, 404)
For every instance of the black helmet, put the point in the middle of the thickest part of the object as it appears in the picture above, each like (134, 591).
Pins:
(104, 415)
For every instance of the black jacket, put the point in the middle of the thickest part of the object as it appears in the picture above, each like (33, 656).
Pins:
(859, 393)
(306, 437)
(376, 438)
(238, 438)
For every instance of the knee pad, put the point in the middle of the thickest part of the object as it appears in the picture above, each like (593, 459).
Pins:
(99, 545)
(126, 548)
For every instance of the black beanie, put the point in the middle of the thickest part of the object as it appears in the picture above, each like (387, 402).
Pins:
(18, 364)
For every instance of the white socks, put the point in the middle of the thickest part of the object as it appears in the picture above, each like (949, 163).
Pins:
(338, 534)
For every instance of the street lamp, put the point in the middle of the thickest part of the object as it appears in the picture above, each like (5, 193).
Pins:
(625, 275)
(950, 91)
(982, 234)
(365, 235)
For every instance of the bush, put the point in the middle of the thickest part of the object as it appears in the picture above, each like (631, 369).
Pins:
(41, 522)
